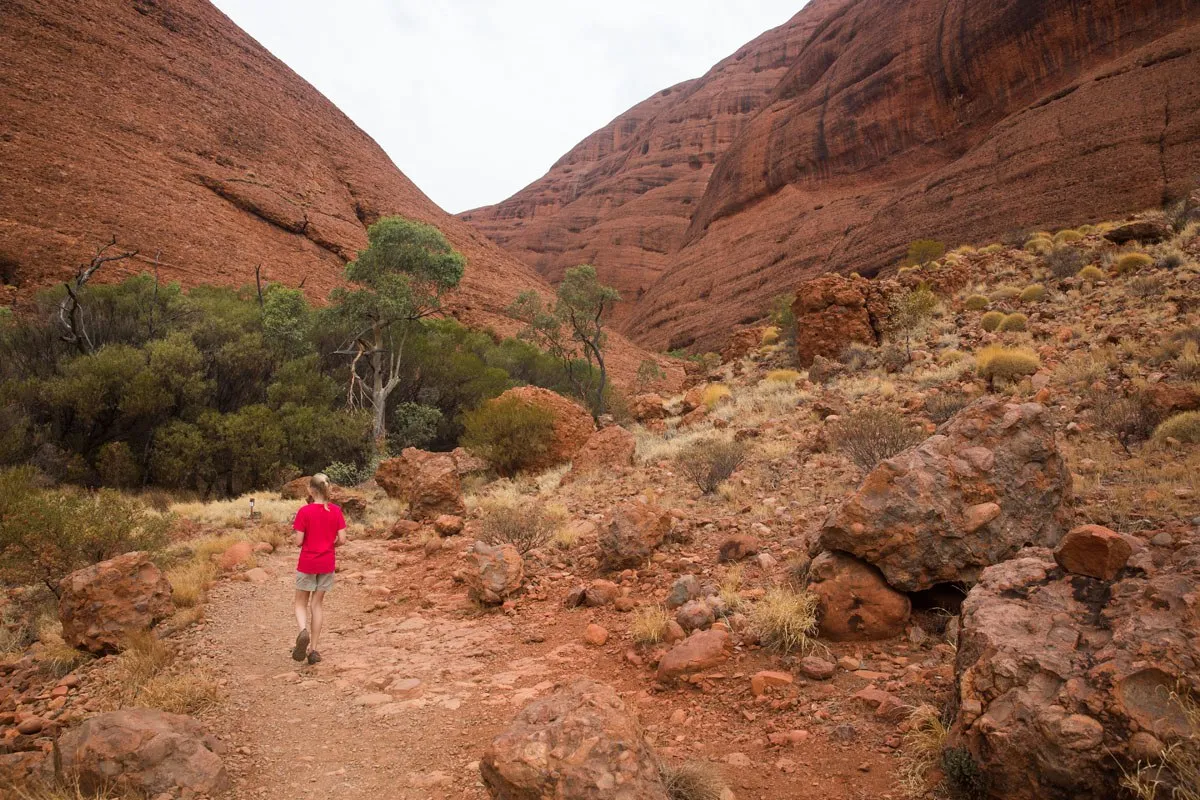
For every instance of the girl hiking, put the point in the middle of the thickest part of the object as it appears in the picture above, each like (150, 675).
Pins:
(320, 528)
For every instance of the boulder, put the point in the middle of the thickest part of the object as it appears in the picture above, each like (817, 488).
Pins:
(573, 425)
(739, 547)
(1063, 679)
(1149, 231)
(988, 482)
(238, 554)
(606, 450)
(582, 743)
(685, 588)
(495, 572)
(742, 343)
(701, 651)
(633, 533)
(646, 407)
(102, 605)
(428, 482)
(353, 503)
(142, 750)
(854, 601)
(695, 615)
(448, 525)
(831, 312)
(1093, 550)
(466, 463)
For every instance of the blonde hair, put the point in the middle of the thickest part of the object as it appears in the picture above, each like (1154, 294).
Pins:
(320, 486)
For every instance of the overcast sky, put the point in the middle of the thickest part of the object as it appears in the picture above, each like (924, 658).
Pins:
(475, 99)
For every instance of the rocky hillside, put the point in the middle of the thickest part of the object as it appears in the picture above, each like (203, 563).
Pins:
(163, 123)
(892, 121)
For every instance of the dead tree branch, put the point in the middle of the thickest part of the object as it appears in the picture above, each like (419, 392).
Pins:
(70, 312)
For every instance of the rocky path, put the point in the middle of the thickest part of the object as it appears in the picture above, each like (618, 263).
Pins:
(400, 708)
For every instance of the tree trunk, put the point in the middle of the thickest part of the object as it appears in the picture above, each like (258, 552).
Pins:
(378, 396)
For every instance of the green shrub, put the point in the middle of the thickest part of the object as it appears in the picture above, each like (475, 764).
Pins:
(710, 462)
(46, 534)
(1006, 363)
(991, 320)
(966, 780)
(1033, 293)
(1183, 427)
(872, 435)
(1063, 262)
(976, 302)
(1092, 274)
(117, 466)
(923, 251)
(944, 405)
(343, 474)
(1131, 262)
(413, 425)
(525, 524)
(1013, 323)
(509, 434)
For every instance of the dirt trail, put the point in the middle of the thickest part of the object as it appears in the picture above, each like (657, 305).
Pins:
(416, 682)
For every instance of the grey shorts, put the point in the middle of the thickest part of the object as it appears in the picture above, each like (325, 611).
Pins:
(314, 583)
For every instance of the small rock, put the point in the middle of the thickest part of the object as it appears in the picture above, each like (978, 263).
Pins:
(739, 546)
(695, 615)
(762, 681)
(31, 725)
(448, 525)
(595, 635)
(818, 669)
(685, 588)
(1093, 550)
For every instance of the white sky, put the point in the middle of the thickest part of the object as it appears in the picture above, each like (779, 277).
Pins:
(475, 99)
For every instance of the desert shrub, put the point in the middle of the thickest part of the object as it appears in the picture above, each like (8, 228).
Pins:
(893, 358)
(413, 425)
(976, 302)
(995, 362)
(1187, 363)
(770, 336)
(190, 581)
(509, 434)
(714, 394)
(1145, 286)
(991, 249)
(921, 748)
(1129, 417)
(923, 251)
(1175, 774)
(46, 534)
(1171, 259)
(872, 435)
(1039, 244)
(944, 405)
(648, 374)
(343, 474)
(1034, 293)
(965, 779)
(117, 467)
(709, 462)
(1091, 273)
(991, 320)
(1067, 236)
(649, 625)
(1063, 262)
(1082, 368)
(1013, 323)
(1183, 427)
(786, 376)
(786, 619)
(525, 524)
(1004, 293)
(1131, 262)
(857, 355)
(692, 780)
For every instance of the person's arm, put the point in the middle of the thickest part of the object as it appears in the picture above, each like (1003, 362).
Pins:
(341, 538)
(298, 529)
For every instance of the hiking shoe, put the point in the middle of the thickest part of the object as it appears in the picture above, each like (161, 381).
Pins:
(301, 648)
(314, 657)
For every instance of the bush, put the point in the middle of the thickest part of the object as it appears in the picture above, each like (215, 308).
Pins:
(1042, 243)
(1034, 293)
(650, 625)
(714, 394)
(1131, 262)
(873, 435)
(786, 620)
(1183, 427)
(1171, 259)
(1130, 418)
(527, 525)
(963, 775)
(1005, 293)
(116, 466)
(991, 320)
(343, 474)
(1063, 262)
(1013, 323)
(413, 425)
(1187, 363)
(47, 534)
(692, 780)
(1145, 286)
(770, 336)
(710, 462)
(976, 302)
(944, 405)
(509, 434)
(1092, 274)
(1006, 363)
(923, 251)
(788, 376)
(1067, 236)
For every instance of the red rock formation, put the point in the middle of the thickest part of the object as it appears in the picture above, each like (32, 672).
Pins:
(894, 121)
(162, 122)
(622, 198)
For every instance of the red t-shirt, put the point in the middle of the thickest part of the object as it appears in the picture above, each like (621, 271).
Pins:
(320, 527)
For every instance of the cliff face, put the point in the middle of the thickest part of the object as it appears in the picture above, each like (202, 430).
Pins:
(161, 122)
(903, 119)
(623, 198)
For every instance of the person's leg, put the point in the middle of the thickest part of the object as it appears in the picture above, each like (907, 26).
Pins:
(302, 609)
(316, 618)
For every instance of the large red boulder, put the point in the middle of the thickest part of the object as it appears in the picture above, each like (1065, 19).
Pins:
(145, 751)
(353, 503)
(428, 482)
(606, 450)
(1065, 682)
(701, 651)
(854, 601)
(632, 534)
(1093, 550)
(494, 573)
(831, 312)
(573, 425)
(101, 606)
(582, 743)
(990, 481)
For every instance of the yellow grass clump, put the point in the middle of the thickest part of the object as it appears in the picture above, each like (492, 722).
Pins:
(786, 620)
(715, 394)
(1131, 262)
(783, 376)
(1067, 236)
(1091, 273)
(1013, 323)
(991, 320)
(1033, 293)
(921, 749)
(770, 336)
(1183, 427)
(650, 625)
(976, 302)
(692, 780)
(1006, 363)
